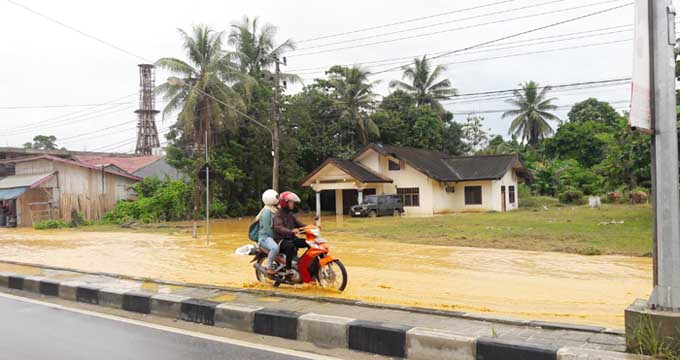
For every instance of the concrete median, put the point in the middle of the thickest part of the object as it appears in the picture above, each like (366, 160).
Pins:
(69, 289)
(499, 349)
(378, 338)
(567, 353)
(137, 301)
(280, 323)
(167, 305)
(112, 297)
(431, 344)
(15, 281)
(49, 287)
(88, 294)
(235, 316)
(32, 283)
(324, 330)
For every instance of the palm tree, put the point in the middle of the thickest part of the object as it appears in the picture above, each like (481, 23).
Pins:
(354, 97)
(202, 90)
(423, 83)
(255, 46)
(532, 116)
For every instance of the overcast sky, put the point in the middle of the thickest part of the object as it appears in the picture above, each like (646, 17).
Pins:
(44, 64)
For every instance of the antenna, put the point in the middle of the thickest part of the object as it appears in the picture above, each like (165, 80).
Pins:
(147, 134)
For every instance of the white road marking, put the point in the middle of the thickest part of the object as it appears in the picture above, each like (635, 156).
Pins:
(195, 334)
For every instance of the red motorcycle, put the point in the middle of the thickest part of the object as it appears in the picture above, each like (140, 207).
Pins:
(315, 265)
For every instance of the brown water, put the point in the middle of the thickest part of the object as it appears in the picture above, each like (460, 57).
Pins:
(521, 284)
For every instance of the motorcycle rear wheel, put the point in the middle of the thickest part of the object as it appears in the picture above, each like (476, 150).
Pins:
(262, 278)
(333, 276)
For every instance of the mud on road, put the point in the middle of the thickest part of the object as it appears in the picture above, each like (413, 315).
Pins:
(522, 284)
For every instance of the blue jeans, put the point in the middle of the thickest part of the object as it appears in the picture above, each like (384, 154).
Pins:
(273, 248)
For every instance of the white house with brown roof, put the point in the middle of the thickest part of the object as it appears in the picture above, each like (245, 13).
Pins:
(50, 187)
(429, 182)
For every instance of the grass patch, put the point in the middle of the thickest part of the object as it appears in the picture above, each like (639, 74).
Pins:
(611, 229)
(646, 341)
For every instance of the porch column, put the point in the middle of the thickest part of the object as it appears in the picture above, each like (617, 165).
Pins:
(338, 202)
(360, 196)
(318, 204)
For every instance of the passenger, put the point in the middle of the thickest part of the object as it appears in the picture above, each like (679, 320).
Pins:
(286, 227)
(265, 236)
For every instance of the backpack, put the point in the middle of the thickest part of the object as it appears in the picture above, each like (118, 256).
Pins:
(254, 230)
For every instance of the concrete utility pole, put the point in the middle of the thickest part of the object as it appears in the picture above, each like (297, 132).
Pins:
(207, 192)
(666, 294)
(276, 117)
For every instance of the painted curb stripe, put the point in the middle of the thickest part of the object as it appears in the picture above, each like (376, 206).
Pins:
(137, 301)
(280, 323)
(497, 349)
(198, 311)
(87, 294)
(49, 288)
(15, 282)
(378, 338)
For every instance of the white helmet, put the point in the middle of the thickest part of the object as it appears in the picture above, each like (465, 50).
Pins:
(270, 197)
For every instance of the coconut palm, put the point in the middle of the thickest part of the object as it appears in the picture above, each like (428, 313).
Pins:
(354, 97)
(201, 89)
(255, 47)
(532, 116)
(424, 83)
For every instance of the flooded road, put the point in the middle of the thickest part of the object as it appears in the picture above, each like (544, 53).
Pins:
(522, 284)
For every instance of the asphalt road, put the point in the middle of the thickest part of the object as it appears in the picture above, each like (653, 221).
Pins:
(35, 331)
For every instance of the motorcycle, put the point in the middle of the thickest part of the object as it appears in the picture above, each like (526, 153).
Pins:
(315, 265)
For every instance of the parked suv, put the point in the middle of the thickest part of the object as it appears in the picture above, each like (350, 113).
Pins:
(378, 205)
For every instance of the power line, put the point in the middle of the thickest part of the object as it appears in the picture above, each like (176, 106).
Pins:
(401, 22)
(302, 71)
(466, 112)
(518, 34)
(79, 31)
(449, 30)
(21, 107)
(432, 25)
(100, 130)
(58, 117)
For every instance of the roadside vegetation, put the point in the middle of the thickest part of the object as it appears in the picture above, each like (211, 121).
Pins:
(610, 229)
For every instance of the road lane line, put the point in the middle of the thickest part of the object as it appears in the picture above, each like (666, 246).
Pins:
(175, 330)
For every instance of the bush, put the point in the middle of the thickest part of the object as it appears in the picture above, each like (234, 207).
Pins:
(169, 200)
(571, 196)
(537, 201)
(50, 224)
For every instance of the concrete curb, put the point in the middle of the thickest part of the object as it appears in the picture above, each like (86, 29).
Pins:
(328, 331)
(413, 309)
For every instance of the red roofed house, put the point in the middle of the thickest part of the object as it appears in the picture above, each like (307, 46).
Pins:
(50, 187)
(142, 166)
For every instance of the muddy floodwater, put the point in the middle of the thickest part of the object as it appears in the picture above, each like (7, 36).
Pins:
(521, 284)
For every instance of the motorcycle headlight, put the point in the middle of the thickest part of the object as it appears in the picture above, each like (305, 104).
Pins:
(315, 232)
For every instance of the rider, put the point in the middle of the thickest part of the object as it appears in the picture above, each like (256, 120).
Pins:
(265, 236)
(286, 227)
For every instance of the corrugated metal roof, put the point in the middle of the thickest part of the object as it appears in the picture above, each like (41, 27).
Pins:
(130, 164)
(9, 194)
(16, 181)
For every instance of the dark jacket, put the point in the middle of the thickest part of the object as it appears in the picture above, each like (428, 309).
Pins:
(284, 223)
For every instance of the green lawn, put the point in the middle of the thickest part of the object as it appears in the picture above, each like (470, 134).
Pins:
(565, 229)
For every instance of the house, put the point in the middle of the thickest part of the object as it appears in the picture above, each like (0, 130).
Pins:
(142, 166)
(429, 182)
(51, 187)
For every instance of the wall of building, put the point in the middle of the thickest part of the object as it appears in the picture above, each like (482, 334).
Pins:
(85, 190)
(509, 179)
(407, 177)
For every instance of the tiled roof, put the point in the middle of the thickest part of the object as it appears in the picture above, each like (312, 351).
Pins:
(354, 169)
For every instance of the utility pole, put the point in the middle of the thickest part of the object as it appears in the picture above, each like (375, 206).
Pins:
(207, 192)
(276, 117)
(666, 294)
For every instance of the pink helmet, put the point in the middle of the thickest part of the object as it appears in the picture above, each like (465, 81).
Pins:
(287, 196)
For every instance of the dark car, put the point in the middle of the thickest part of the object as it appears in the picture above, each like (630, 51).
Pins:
(378, 205)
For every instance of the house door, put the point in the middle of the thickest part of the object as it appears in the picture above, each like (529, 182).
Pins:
(503, 198)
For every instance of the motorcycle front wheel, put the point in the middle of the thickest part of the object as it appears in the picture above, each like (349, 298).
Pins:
(333, 276)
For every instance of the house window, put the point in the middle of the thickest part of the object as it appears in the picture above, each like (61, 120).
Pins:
(473, 195)
(511, 194)
(393, 165)
(409, 196)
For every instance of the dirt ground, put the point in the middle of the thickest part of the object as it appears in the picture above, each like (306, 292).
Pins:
(522, 284)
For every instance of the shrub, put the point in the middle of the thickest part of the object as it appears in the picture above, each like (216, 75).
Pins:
(571, 196)
(50, 224)
(169, 200)
(537, 201)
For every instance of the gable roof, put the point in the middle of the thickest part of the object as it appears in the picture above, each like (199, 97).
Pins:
(71, 162)
(443, 167)
(130, 164)
(354, 169)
